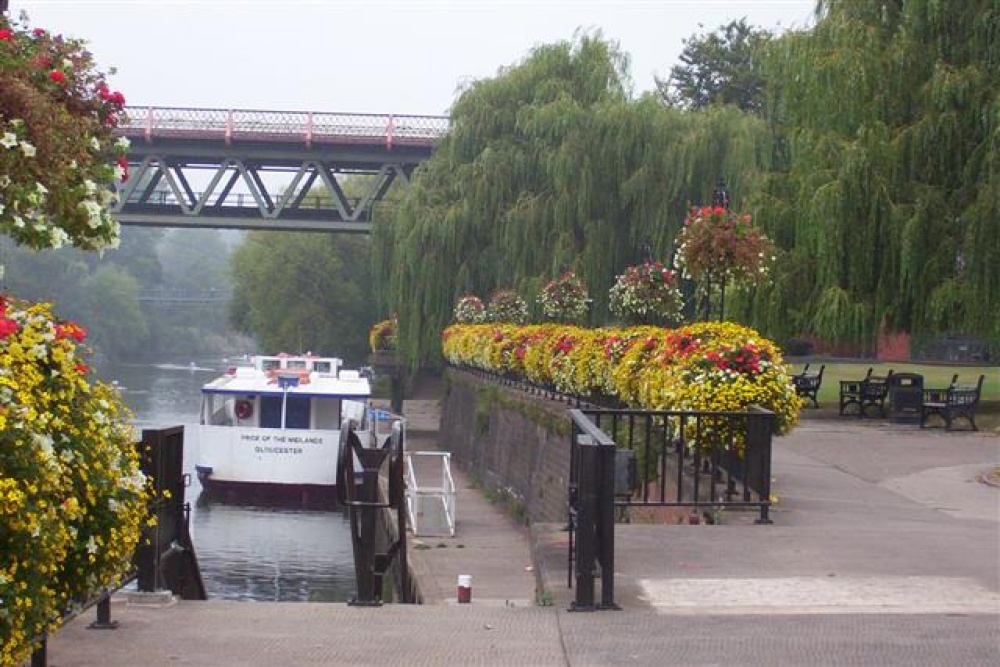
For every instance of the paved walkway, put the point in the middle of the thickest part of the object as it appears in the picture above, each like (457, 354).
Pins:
(885, 551)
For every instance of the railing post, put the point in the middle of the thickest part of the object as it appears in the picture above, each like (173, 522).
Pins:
(757, 458)
(586, 523)
(606, 523)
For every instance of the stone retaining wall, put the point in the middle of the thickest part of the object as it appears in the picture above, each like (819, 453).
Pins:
(509, 441)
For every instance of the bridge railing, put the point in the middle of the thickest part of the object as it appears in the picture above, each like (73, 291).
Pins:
(261, 125)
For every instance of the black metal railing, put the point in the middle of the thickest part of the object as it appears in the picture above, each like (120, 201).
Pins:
(621, 459)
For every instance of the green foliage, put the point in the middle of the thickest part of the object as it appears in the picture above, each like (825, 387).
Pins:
(550, 167)
(305, 292)
(718, 68)
(888, 197)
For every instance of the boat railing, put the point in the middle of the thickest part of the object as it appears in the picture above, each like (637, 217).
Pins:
(381, 422)
(426, 501)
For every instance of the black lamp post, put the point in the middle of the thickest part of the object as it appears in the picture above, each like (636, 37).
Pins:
(720, 197)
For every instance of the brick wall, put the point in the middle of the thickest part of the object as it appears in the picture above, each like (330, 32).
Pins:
(506, 439)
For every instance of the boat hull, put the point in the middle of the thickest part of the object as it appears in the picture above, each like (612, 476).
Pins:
(313, 496)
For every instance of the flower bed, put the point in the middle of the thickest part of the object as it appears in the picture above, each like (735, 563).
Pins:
(72, 497)
(703, 366)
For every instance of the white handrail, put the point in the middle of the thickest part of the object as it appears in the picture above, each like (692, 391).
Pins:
(416, 494)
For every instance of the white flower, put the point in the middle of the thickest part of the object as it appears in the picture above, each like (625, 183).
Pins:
(4, 181)
(95, 144)
(28, 149)
(44, 443)
(9, 140)
(58, 237)
(123, 143)
(91, 545)
(41, 189)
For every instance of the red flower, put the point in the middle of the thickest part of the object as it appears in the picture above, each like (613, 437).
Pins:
(82, 368)
(38, 32)
(70, 330)
(57, 76)
(8, 327)
(718, 210)
(6, 35)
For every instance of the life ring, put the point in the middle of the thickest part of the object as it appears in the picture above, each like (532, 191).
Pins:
(244, 409)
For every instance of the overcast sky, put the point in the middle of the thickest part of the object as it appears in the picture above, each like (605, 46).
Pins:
(402, 57)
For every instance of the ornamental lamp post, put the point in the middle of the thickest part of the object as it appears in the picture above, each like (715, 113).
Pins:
(720, 197)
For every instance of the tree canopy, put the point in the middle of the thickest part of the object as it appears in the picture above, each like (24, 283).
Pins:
(873, 167)
(722, 67)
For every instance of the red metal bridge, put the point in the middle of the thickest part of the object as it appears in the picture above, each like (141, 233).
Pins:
(278, 170)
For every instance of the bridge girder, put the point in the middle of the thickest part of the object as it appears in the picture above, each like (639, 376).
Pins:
(163, 191)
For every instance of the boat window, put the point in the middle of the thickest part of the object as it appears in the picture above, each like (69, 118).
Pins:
(322, 366)
(297, 412)
(270, 412)
(296, 364)
(327, 413)
(218, 410)
(270, 364)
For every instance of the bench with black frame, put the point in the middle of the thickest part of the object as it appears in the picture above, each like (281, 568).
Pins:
(807, 384)
(952, 403)
(868, 392)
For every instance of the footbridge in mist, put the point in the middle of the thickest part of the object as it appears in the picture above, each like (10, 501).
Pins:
(274, 170)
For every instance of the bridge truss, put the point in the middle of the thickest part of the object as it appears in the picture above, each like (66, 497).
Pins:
(274, 170)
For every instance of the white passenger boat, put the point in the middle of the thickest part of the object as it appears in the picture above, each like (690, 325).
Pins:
(273, 426)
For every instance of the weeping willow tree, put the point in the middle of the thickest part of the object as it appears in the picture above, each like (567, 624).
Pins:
(886, 195)
(548, 166)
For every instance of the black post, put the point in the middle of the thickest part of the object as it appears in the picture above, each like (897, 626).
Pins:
(606, 526)
(757, 457)
(40, 656)
(586, 524)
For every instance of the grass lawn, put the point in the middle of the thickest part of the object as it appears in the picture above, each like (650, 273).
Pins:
(935, 376)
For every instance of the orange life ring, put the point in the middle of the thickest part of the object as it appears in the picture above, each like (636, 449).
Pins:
(244, 409)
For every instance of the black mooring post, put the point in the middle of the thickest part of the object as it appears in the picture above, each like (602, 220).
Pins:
(104, 621)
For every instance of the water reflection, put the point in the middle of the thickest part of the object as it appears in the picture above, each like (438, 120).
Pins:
(245, 552)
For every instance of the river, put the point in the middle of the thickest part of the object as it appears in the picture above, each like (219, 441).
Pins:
(245, 552)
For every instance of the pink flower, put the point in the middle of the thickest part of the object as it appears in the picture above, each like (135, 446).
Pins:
(6, 35)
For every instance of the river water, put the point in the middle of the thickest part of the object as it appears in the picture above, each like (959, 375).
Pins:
(245, 552)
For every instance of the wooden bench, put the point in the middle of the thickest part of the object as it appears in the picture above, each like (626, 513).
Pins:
(868, 392)
(807, 384)
(952, 403)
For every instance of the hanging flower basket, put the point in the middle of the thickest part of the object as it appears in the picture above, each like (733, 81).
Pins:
(564, 299)
(59, 159)
(646, 294)
(507, 306)
(717, 244)
(470, 310)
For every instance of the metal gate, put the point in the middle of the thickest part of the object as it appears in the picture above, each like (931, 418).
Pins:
(620, 459)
